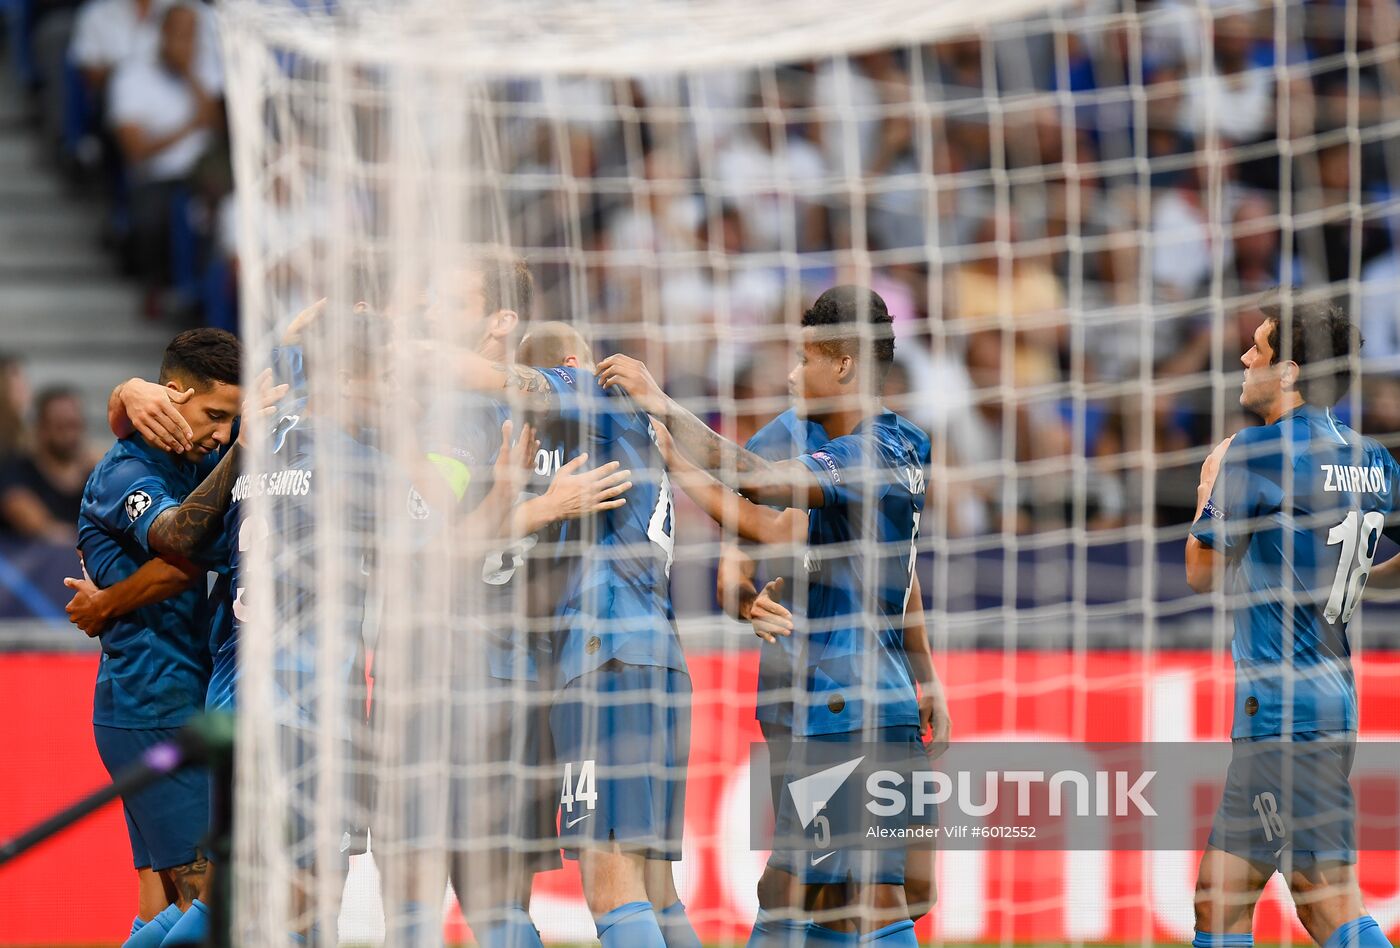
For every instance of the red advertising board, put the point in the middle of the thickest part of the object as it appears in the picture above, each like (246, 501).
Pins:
(80, 888)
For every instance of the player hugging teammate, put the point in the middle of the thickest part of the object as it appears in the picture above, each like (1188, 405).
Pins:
(591, 694)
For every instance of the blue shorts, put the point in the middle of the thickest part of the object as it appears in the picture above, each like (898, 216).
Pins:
(1289, 802)
(622, 744)
(502, 750)
(832, 846)
(167, 821)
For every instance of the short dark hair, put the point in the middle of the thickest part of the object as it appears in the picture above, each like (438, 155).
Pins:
(201, 357)
(1320, 338)
(864, 312)
(506, 283)
(53, 393)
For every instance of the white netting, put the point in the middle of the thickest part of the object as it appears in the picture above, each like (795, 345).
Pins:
(1071, 212)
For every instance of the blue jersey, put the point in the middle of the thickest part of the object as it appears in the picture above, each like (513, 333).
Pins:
(505, 593)
(285, 537)
(155, 660)
(782, 439)
(1297, 509)
(617, 604)
(872, 484)
(241, 538)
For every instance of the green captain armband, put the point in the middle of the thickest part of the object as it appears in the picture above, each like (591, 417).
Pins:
(457, 474)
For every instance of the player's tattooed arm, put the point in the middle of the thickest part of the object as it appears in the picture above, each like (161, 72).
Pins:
(738, 515)
(92, 608)
(785, 483)
(516, 383)
(180, 531)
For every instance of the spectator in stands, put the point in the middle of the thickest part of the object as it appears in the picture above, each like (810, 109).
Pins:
(163, 114)
(994, 292)
(767, 174)
(1379, 314)
(109, 33)
(40, 492)
(1324, 195)
(14, 406)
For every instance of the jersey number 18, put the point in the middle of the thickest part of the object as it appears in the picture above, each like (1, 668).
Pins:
(1358, 550)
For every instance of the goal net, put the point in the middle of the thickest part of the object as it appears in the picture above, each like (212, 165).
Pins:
(1070, 211)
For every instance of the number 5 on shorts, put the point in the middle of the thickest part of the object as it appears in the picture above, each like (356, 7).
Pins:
(584, 791)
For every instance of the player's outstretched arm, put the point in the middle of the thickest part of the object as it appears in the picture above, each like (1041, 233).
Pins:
(768, 616)
(149, 409)
(574, 493)
(476, 373)
(92, 608)
(737, 515)
(782, 483)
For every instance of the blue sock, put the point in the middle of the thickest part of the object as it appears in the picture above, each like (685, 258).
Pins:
(153, 932)
(676, 927)
(632, 925)
(771, 932)
(136, 926)
(821, 935)
(1214, 940)
(1363, 932)
(510, 927)
(191, 929)
(900, 933)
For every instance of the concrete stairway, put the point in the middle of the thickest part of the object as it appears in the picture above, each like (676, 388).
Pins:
(63, 305)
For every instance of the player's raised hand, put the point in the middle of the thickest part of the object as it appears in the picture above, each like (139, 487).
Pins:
(303, 321)
(632, 376)
(152, 410)
(576, 493)
(512, 458)
(768, 616)
(262, 403)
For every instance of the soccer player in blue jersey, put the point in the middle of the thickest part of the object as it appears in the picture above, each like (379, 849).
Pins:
(781, 916)
(155, 663)
(868, 479)
(1288, 517)
(620, 721)
(493, 298)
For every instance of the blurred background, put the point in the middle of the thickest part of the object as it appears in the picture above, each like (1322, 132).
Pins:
(1071, 217)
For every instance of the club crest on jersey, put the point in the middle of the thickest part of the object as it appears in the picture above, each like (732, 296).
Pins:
(137, 503)
(417, 506)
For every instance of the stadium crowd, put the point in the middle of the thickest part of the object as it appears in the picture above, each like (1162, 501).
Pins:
(1056, 295)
